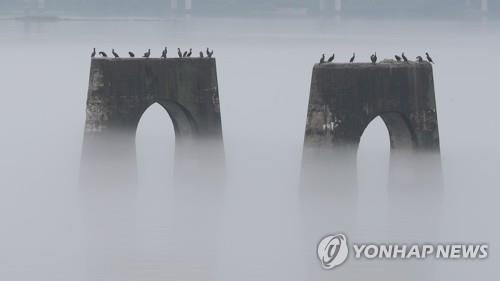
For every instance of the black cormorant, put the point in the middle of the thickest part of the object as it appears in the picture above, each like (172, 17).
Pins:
(420, 59)
(374, 58)
(322, 60)
(429, 58)
(93, 54)
(147, 54)
(190, 52)
(404, 57)
(210, 53)
(398, 58)
(330, 59)
(103, 54)
(201, 54)
(179, 52)
(164, 53)
(352, 58)
(132, 55)
(114, 53)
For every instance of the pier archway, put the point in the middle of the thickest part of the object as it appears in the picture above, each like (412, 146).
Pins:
(121, 90)
(155, 145)
(373, 155)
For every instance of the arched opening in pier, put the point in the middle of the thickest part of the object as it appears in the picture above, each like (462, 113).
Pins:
(373, 165)
(386, 142)
(155, 146)
(373, 156)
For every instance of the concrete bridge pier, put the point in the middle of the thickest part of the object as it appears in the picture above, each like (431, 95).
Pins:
(181, 6)
(121, 90)
(345, 98)
(484, 6)
(338, 6)
(330, 5)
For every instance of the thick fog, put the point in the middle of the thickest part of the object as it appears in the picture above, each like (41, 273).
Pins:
(254, 225)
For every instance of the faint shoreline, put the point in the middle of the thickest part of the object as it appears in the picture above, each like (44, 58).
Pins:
(67, 18)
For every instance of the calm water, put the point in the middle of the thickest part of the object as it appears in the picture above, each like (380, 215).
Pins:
(50, 229)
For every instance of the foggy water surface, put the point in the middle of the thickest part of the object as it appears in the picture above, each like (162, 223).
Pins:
(253, 227)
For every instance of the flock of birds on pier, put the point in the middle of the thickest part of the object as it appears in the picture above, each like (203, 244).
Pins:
(209, 53)
(374, 58)
(186, 54)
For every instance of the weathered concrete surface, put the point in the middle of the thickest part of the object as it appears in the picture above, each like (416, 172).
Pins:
(120, 91)
(345, 98)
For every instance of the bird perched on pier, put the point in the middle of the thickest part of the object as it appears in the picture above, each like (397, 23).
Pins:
(114, 53)
(201, 54)
(132, 55)
(374, 58)
(210, 53)
(93, 54)
(103, 54)
(322, 59)
(398, 58)
(164, 53)
(429, 58)
(330, 59)
(190, 52)
(179, 53)
(147, 54)
(404, 57)
(420, 59)
(352, 58)
(185, 54)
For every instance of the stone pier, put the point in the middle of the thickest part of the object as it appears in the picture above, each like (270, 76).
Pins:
(120, 91)
(345, 98)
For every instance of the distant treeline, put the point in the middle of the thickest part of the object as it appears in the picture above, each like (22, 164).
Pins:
(158, 8)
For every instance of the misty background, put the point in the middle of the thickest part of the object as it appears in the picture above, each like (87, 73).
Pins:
(297, 8)
(254, 226)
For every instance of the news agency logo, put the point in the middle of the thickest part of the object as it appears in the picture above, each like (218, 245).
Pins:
(333, 251)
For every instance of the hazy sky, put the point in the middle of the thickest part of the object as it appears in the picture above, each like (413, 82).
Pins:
(363, 8)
